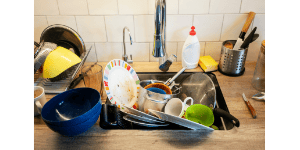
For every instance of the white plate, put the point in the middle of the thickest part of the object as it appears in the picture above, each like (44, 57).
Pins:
(121, 83)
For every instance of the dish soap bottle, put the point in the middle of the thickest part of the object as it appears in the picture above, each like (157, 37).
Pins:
(191, 51)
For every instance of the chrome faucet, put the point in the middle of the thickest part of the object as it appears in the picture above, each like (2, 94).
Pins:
(124, 56)
(159, 47)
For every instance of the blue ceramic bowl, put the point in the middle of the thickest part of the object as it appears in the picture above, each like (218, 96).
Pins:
(77, 129)
(72, 107)
(156, 90)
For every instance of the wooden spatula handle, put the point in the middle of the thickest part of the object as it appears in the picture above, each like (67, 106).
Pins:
(252, 110)
(248, 21)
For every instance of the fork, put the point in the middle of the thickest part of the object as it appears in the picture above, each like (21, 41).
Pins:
(252, 110)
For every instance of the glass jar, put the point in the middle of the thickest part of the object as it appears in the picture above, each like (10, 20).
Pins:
(258, 80)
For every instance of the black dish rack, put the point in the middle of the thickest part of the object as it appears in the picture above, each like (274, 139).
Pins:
(114, 117)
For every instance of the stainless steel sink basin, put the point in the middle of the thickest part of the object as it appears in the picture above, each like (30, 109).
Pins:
(164, 76)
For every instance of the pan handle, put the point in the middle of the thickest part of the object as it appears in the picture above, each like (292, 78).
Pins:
(222, 113)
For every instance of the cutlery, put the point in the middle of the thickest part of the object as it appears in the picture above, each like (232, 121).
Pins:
(248, 40)
(252, 110)
(259, 96)
(179, 121)
(246, 26)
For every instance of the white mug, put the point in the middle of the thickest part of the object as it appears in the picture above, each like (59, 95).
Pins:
(39, 100)
(176, 107)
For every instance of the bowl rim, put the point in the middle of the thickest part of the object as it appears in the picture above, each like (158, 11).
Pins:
(72, 121)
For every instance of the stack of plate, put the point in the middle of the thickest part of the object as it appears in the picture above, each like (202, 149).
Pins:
(142, 119)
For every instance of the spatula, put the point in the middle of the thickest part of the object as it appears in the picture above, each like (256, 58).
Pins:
(247, 24)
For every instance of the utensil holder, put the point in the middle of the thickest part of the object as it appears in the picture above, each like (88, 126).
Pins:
(232, 62)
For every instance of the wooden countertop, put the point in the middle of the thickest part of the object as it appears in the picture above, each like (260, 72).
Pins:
(250, 134)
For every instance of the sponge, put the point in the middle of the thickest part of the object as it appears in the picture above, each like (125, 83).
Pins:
(208, 64)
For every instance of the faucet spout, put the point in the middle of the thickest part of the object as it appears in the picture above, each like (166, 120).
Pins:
(124, 56)
(159, 48)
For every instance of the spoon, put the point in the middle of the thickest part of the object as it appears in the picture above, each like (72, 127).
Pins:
(259, 96)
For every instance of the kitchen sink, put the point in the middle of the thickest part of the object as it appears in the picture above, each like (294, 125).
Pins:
(164, 76)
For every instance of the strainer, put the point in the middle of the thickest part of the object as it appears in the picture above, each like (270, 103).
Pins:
(200, 114)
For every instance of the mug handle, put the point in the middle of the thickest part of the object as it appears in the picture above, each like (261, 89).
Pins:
(188, 98)
(39, 106)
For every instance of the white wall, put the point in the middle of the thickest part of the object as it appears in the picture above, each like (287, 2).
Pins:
(100, 23)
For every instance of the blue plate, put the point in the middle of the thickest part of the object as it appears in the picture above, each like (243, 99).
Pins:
(77, 129)
(72, 107)
(156, 90)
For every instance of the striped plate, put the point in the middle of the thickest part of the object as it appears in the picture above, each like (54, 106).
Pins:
(121, 84)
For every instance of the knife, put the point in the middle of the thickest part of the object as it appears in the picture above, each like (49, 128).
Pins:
(252, 110)
(249, 39)
(179, 121)
(247, 24)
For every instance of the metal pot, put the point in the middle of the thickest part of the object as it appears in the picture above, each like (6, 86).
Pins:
(151, 100)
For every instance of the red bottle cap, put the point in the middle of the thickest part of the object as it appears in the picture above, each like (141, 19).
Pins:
(192, 32)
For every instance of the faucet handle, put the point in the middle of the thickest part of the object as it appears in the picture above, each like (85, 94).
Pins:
(130, 60)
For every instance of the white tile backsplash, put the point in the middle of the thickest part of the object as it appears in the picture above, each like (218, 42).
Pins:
(139, 51)
(133, 6)
(259, 22)
(115, 26)
(91, 28)
(101, 22)
(178, 27)
(208, 27)
(224, 6)
(103, 7)
(45, 7)
(214, 50)
(108, 51)
(172, 6)
(232, 26)
(40, 23)
(73, 7)
(171, 48)
(144, 28)
(253, 50)
(64, 20)
(92, 57)
(151, 6)
(257, 6)
(193, 6)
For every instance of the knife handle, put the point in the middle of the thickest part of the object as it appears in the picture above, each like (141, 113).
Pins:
(252, 110)
(247, 24)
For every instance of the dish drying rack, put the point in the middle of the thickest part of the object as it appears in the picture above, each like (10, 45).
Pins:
(61, 85)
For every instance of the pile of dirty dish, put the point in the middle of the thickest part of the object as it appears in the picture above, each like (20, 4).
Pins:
(151, 103)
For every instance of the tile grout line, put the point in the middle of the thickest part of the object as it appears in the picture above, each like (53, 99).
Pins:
(209, 6)
(134, 28)
(95, 51)
(222, 27)
(118, 7)
(76, 24)
(105, 29)
(58, 8)
(47, 20)
(241, 6)
(87, 5)
(178, 9)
